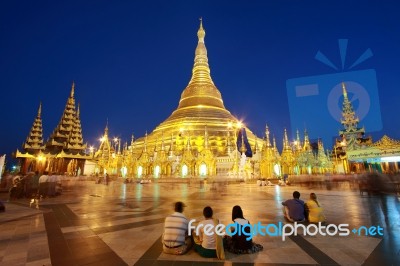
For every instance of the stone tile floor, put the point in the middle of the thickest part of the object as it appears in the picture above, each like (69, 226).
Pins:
(121, 224)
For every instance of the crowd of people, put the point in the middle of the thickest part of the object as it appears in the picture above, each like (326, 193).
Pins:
(178, 240)
(32, 185)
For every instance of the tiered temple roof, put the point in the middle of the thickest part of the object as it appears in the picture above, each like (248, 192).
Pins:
(34, 141)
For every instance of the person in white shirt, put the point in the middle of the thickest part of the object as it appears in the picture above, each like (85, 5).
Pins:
(207, 246)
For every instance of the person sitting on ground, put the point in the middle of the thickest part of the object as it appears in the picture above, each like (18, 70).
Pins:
(208, 246)
(294, 208)
(314, 211)
(238, 243)
(175, 238)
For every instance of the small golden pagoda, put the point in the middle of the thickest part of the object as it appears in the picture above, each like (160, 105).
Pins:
(269, 158)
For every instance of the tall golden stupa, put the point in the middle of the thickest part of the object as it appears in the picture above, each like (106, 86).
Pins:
(201, 122)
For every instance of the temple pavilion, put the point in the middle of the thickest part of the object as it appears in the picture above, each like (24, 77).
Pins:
(356, 153)
(63, 152)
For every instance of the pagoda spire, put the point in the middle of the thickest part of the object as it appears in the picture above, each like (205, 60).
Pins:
(75, 141)
(298, 142)
(267, 140)
(66, 128)
(351, 131)
(201, 69)
(286, 144)
(307, 145)
(256, 148)
(132, 139)
(72, 89)
(34, 141)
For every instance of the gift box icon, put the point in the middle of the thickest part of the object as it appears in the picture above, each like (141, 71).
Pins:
(315, 102)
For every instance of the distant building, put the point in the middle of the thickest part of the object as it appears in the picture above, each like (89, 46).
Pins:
(355, 153)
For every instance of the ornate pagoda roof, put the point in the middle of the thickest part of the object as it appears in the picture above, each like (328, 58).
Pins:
(200, 101)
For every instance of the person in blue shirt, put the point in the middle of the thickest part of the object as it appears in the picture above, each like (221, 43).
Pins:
(294, 208)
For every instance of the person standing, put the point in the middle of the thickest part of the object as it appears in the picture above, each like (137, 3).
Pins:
(175, 238)
(294, 208)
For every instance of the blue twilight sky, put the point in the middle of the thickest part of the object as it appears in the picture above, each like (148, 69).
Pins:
(131, 60)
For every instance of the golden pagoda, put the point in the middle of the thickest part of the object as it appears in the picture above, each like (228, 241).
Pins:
(287, 157)
(200, 139)
(202, 130)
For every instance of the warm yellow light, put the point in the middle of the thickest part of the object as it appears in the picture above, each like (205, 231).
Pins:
(239, 124)
(230, 125)
(101, 139)
(41, 158)
(91, 148)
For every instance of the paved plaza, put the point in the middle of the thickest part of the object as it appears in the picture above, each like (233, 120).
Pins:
(122, 224)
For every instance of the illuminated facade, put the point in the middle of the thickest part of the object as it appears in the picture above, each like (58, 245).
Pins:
(199, 139)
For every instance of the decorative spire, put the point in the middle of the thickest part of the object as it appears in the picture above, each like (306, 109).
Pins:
(307, 145)
(256, 149)
(201, 33)
(351, 131)
(75, 141)
(34, 141)
(201, 69)
(267, 136)
(298, 140)
(72, 89)
(132, 139)
(286, 145)
(39, 112)
(106, 129)
(274, 143)
(68, 133)
(344, 91)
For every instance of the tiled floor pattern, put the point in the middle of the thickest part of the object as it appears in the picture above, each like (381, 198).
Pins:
(121, 224)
